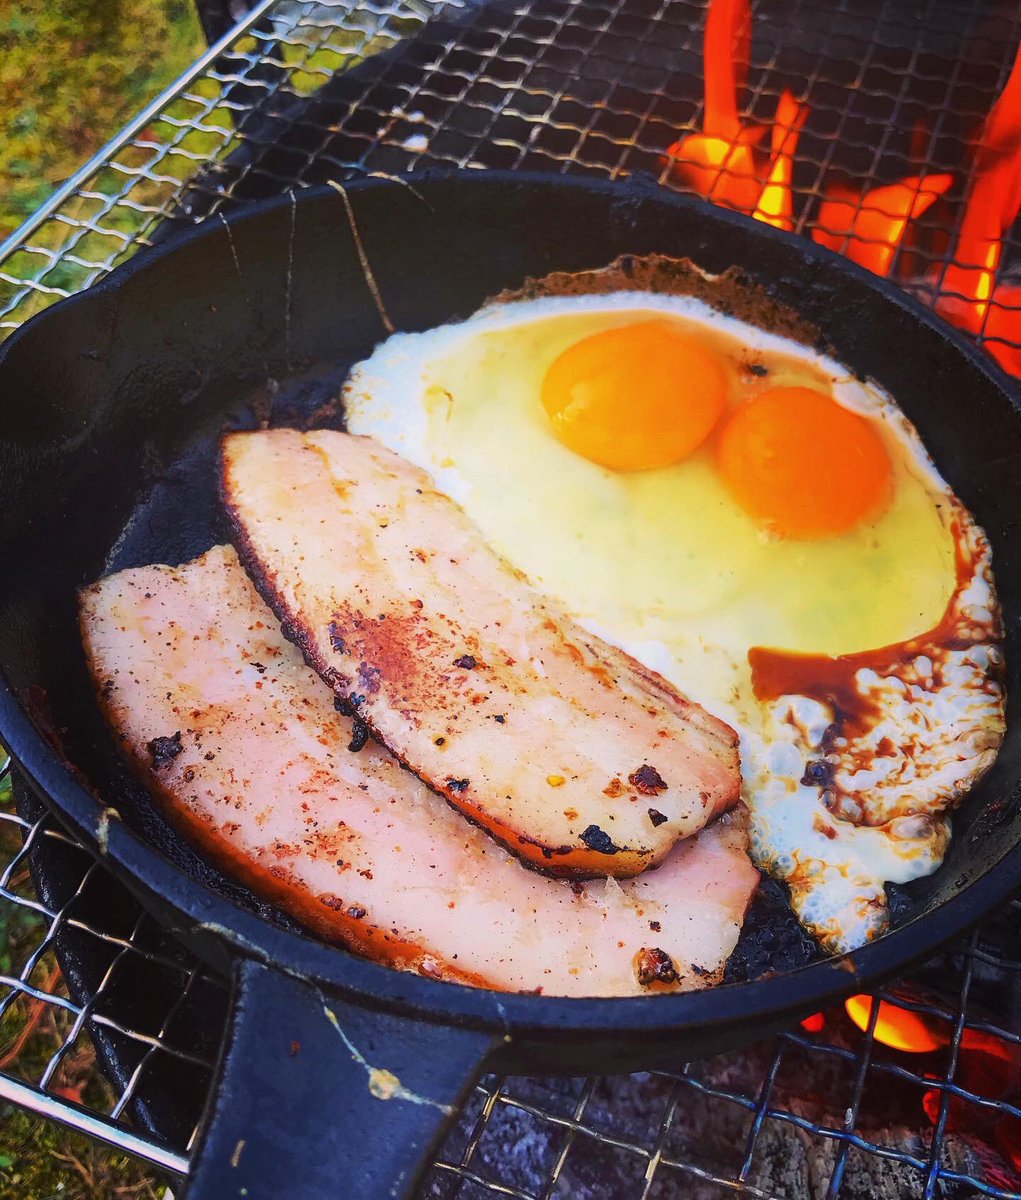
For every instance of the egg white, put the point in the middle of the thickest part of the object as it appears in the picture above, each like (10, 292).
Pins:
(667, 566)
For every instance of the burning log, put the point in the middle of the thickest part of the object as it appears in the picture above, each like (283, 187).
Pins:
(793, 1164)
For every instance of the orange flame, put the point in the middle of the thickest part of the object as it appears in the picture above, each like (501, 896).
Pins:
(991, 207)
(726, 163)
(916, 250)
(776, 201)
(897, 1027)
(815, 1023)
(988, 1066)
(868, 227)
(723, 162)
(728, 27)
(1001, 327)
(728, 173)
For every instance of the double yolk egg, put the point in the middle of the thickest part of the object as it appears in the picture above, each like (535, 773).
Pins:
(645, 395)
(696, 490)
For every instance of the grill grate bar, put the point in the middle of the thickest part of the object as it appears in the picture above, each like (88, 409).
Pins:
(851, 1116)
(761, 1109)
(73, 186)
(932, 1174)
(156, 1045)
(22, 982)
(85, 1121)
(658, 1149)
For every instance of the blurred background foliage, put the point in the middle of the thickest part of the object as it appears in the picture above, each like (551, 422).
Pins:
(71, 72)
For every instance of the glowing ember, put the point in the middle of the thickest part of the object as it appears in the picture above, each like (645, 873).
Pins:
(776, 202)
(897, 1027)
(868, 227)
(816, 1023)
(1007, 1135)
(989, 1067)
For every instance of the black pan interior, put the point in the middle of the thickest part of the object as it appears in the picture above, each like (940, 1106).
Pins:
(112, 407)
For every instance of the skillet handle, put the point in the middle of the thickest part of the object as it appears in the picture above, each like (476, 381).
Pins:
(319, 1099)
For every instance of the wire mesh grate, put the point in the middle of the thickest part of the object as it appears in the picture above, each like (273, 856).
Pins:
(52, 1019)
(310, 91)
(754, 1123)
(302, 92)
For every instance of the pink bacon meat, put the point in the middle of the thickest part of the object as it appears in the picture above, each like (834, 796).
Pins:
(242, 743)
(575, 756)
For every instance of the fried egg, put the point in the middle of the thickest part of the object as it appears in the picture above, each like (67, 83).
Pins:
(744, 516)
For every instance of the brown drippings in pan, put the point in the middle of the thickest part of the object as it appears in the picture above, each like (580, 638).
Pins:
(831, 679)
(733, 292)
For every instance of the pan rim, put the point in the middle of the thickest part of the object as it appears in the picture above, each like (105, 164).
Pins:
(143, 868)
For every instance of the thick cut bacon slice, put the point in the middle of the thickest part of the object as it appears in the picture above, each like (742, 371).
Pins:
(568, 751)
(242, 742)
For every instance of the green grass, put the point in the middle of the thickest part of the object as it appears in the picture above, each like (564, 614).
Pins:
(71, 72)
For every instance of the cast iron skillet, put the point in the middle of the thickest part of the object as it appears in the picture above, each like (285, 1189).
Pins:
(111, 407)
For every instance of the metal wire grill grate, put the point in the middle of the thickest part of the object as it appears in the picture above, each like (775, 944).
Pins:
(309, 91)
(824, 1114)
(754, 1123)
(46, 1020)
(303, 92)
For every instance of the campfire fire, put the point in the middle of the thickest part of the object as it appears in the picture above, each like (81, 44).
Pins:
(970, 295)
(988, 1067)
(869, 226)
(733, 163)
(776, 201)
(725, 162)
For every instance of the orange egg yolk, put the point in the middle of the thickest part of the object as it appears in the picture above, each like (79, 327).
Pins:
(802, 464)
(635, 397)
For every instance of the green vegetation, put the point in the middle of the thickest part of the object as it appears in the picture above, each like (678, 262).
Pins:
(70, 74)
(40, 1161)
